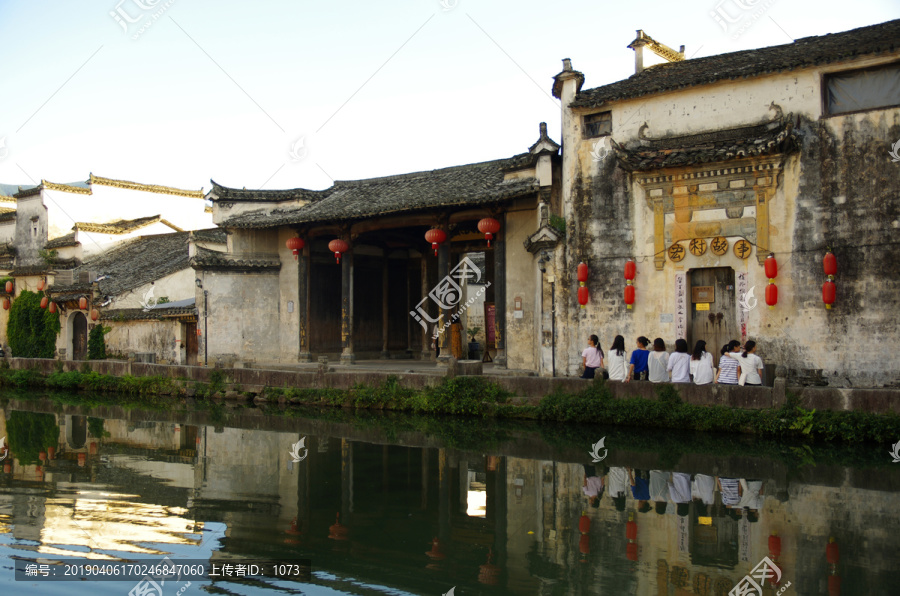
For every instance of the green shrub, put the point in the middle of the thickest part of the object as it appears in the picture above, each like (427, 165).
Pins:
(30, 433)
(31, 330)
(97, 342)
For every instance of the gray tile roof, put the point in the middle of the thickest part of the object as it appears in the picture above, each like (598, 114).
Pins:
(205, 259)
(62, 241)
(458, 186)
(154, 314)
(217, 235)
(123, 226)
(714, 146)
(242, 195)
(804, 52)
(9, 215)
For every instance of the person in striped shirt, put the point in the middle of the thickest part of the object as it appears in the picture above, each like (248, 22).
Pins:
(728, 366)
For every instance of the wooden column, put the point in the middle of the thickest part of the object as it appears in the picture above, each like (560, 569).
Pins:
(347, 356)
(499, 284)
(303, 277)
(444, 271)
(385, 354)
(426, 334)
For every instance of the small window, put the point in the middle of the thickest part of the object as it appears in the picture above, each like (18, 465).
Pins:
(860, 90)
(598, 125)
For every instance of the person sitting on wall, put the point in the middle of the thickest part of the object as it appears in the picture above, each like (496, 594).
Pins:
(591, 357)
(638, 368)
(593, 486)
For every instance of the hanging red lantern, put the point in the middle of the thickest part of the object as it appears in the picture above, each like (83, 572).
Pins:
(338, 247)
(53, 307)
(771, 266)
(774, 546)
(583, 296)
(95, 314)
(7, 468)
(9, 287)
(44, 302)
(629, 296)
(6, 304)
(582, 273)
(829, 293)
(829, 263)
(488, 226)
(295, 245)
(82, 303)
(435, 236)
(42, 284)
(771, 294)
(82, 459)
(630, 270)
(338, 531)
(584, 523)
(834, 585)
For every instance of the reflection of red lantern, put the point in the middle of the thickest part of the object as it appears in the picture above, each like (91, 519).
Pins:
(82, 303)
(9, 287)
(631, 551)
(44, 302)
(42, 456)
(829, 293)
(7, 468)
(488, 574)
(771, 295)
(631, 547)
(771, 266)
(584, 545)
(295, 245)
(435, 237)
(53, 307)
(39, 470)
(582, 296)
(6, 304)
(294, 530)
(436, 553)
(82, 458)
(584, 523)
(774, 547)
(51, 452)
(832, 552)
(488, 226)
(631, 530)
(338, 531)
(833, 555)
(338, 247)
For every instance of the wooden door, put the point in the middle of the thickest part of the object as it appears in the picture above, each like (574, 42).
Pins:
(713, 312)
(79, 337)
(191, 345)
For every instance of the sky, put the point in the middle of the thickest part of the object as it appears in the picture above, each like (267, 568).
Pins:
(298, 93)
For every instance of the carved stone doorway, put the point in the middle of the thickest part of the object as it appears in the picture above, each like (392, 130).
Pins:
(713, 309)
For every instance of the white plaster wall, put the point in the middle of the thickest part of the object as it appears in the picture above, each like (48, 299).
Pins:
(7, 231)
(27, 243)
(177, 286)
(157, 337)
(288, 283)
(94, 243)
(521, 343)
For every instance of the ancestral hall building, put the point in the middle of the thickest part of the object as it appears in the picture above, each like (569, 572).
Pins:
(696, 171)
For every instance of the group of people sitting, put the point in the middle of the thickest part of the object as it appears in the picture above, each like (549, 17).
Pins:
(738, 365)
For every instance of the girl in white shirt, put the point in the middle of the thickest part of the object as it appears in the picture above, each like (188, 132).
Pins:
(615, 361)
(657, 362)
(701, 364)
(591, 357)
(680, 363)
(751, 364)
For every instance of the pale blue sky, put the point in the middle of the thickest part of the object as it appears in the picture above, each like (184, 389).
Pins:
(224, 89)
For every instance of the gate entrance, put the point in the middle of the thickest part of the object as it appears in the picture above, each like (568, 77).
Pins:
(713, 311)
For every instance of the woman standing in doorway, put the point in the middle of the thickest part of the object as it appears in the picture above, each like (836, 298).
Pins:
(658, 361)
(591, 357)
(618, 369)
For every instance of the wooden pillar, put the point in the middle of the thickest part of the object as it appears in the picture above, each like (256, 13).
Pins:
(444, 271)
(499, 245)
(346, 479)
(347, 356)
(426, 333)
(303, 277)
(385, 354)
(426, 453)
(409, 319)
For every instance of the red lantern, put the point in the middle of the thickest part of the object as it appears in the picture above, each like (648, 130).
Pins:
(488, 574)
(7, 468)
(582, 273)
(774, 546)
(631, 530)
(6, 304)
(832, 552)
(629, 296)
(829, 292)
(82, 458)
(436, 237)
(631, 551)
(771, 295)
(42, 284)
(95, 314)
(584, 523)
(51, 452)
(584, 545)
(436, 553)
(488, 226)
(830, 264)
(53, 307)
(82, 303)
(338, 531)
(9, 287)
(583, 296)
(295, 245)
(338, 247)
(771, 267)
(834, 585)
(44, 302)
(630, 270)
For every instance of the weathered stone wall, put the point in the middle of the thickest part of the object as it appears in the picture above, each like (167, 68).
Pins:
(155, 337)
(840, 190)
(521, 277)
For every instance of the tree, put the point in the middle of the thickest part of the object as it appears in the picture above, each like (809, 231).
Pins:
(31, 330)
(96, 343)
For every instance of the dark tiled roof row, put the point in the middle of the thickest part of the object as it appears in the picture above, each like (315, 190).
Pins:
(216, 235)
(467, 185)
(805, 52)
(123, 226)
(8, 215)
(62, 241)
(139, 314)
(27, 270)
(715, 146)
(241, 195)
(205, 259)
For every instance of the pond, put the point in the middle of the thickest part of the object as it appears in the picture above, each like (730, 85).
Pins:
(379, 504)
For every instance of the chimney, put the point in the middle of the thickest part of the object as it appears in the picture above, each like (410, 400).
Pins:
(649, 52)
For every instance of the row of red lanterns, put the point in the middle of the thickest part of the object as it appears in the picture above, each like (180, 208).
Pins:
(829, 291)
(584, 294)
(435, 236)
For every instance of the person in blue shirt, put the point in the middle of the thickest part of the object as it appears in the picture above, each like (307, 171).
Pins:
(640, 489)
(638, 367)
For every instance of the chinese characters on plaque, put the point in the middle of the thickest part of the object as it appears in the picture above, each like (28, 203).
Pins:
(676, 252)
(742, 249)
(697, 247)
(680, 304)
(742, 287)
(719, 245)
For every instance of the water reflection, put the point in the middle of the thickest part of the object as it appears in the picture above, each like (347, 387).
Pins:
(414, 515)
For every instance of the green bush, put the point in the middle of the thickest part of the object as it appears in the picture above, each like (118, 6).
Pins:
(30, 433)
(31, 330)
(97, 342)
